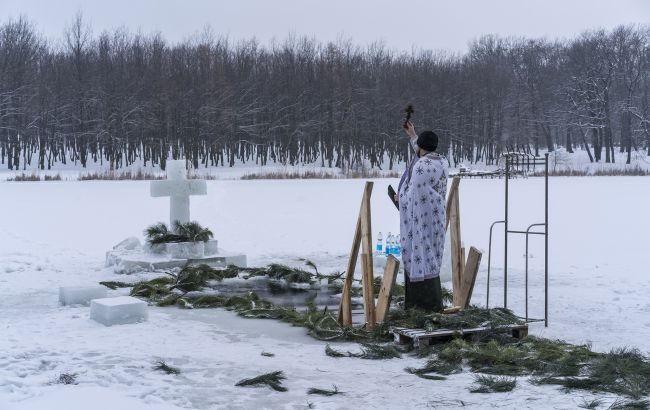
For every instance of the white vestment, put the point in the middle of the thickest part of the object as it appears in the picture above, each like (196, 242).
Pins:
(422, 193)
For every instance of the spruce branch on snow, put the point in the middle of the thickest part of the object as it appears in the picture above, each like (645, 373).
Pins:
(162, 366)
(325, 392)
(273, 380)
(624, 372)
(335, 353)
(630, 405)
(437, 366)
(493, 384)
(370, 351)
(116, 284)
(590, 404)
(313, 266)
(432, 377)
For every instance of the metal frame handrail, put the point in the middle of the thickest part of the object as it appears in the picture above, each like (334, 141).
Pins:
(528, 233)
(520, 161)
(487, 298)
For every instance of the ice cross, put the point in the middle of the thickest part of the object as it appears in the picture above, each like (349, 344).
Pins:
(178, 188)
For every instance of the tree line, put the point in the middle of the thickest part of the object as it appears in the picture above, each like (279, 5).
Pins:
(120, 98)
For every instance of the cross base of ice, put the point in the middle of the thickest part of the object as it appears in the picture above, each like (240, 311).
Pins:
(137, 263)
(130, 257)
(118, 311)
(186, 250)
(80, 295)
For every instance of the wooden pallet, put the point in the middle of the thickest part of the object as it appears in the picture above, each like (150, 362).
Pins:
(421, 338)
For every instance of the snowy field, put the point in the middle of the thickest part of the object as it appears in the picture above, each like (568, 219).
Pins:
(559, 160)
(56, 233)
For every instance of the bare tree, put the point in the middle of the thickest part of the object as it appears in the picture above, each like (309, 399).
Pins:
(118, 98)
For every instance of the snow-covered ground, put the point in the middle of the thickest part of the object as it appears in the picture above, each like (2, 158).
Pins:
(56, 233)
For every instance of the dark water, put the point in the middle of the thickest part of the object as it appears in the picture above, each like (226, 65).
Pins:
(281, 295)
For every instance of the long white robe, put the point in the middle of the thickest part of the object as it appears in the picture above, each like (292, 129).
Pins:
(422, 192)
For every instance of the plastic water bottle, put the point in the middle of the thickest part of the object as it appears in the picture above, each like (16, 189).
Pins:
(389, 244)
(398, 246)
(380, 246)
(387, 248)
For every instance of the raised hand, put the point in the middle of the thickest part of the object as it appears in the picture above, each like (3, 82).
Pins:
(410, 130)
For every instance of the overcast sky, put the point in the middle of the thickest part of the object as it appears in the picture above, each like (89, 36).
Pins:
(432, 24)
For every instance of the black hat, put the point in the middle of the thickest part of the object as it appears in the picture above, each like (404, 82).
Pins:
(428, 141)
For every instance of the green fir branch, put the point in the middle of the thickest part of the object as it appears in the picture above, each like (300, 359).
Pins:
(164, 367)
(493, 384)
(273, 380)
(325, 392)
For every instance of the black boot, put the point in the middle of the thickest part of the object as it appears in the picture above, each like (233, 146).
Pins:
(425, 295)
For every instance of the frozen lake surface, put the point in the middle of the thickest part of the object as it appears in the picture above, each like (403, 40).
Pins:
(56, 234)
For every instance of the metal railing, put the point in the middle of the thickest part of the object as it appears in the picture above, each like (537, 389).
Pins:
(517, 163)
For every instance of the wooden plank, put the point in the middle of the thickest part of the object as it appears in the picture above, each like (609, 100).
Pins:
(520, 333)
(365, 217)
(400, 339)
(368, 294)
(450, 310)
(456, 257)
(386, 290)
(345, 307)
(366, 258)
(421, 343)
(469, 276)
(439, 333)
(421, 338)
(452, 192)
(472, 330)
(446, 332)
(462, 260)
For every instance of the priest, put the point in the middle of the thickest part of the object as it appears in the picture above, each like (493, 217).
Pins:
(421, 196)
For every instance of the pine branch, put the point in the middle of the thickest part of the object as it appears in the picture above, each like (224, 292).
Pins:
(325, 392)
(493, 384)
(162, 366)
(335, 353)
(183, 232)
(273, 380)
